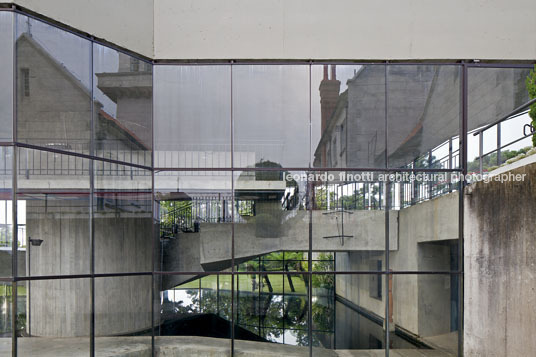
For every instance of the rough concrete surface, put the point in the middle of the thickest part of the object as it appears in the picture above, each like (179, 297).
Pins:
(500, 267)
(175, 346)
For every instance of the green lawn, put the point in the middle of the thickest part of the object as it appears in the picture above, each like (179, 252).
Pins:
(245, 283)
(5, 289)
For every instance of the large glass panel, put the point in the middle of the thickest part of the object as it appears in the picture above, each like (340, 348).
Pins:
(53, 87)
(323, 309)
(348, 116)
(123, 90)
(511, 137)
(424, 313)
(348, 218)
(194, 316)
(356, 310)
(53, 196)
(6, 312)
(192, 116)
(6, 76)
(52, 311)
(123, 315)
(271, 219)
(492, 94)
(271, 116)
(267, 312)
(122, 221)
(426, 207)
(6, 212)
(195, 222)
(423, 115)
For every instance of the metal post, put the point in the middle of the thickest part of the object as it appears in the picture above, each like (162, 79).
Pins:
(430, 184)
(480, 151)
(499, 144)
(28, 293)
(450, 164)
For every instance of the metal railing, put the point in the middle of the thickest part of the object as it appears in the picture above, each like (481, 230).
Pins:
(519, 111)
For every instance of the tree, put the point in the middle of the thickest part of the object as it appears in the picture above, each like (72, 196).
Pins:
(531, 88)
(490, 160)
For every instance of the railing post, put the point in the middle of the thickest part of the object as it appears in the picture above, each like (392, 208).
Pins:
(499, 144)
(480, 151)
(430, 183)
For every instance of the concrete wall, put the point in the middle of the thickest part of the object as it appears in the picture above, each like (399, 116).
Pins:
(211, 247)
(364, 29)
(500, 267)
(408, 29)
(421, 303)
(123, 243)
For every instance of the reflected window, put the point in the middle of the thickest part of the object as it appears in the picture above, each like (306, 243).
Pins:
(25, 78)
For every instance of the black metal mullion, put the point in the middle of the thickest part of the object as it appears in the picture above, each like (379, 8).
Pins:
(14, 239)
(386, 208)
(91, 212)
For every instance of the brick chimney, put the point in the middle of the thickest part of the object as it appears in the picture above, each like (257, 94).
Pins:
(329, 95)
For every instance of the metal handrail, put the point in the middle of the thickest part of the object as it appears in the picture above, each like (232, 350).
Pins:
(506, 117)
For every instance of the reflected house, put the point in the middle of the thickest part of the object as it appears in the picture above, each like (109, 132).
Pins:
(423, 111)
(131, 88)
(57, 103)
(355, 127)
(54, 112)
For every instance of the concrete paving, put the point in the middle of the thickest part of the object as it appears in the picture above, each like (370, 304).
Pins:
(174, 346)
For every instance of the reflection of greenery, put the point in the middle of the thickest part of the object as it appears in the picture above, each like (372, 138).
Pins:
(278, 281)
(423, 162)
(531, 88)
(490, 162)
(325, 264)
(352, 201)
(245, 208)
(268, 314)
(166, 207)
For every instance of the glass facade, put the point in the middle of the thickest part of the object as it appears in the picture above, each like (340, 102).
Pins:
(300, 208)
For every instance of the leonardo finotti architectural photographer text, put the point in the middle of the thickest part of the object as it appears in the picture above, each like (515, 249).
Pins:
(404, 177)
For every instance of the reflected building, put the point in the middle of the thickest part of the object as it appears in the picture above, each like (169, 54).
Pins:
(55, 111)
(256, 215)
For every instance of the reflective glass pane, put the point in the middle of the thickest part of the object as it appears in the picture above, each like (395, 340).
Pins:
(424, 313)
(53, 194)
(349, 218)
(6, 214)
(270, 218)
(6, 76)
(122, 220)
(514, 130)
(192, 116)
(195, 222)
(271, 116)
(195, 316)
(359, 311)
(426, 207)
(6, 330)
(52, 310)
(123, 315)
(423, 115)
(348, 116)
(123, 89)
(492, 94)
(53, 87)
(323, 310)
(267, 312)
